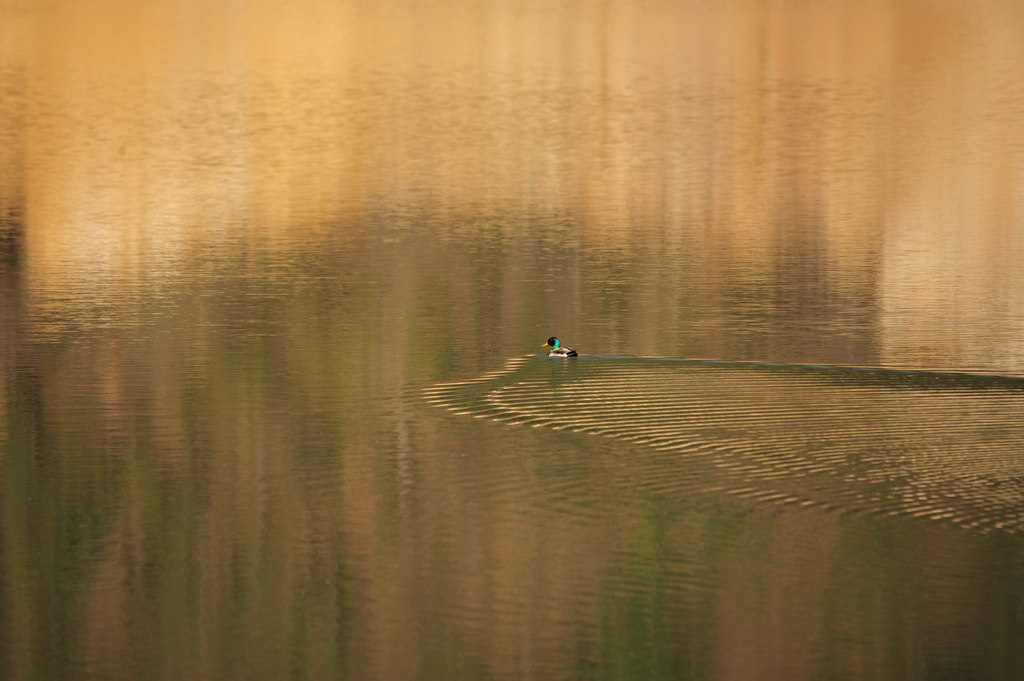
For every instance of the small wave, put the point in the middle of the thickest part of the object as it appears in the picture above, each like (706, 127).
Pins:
(942, 446)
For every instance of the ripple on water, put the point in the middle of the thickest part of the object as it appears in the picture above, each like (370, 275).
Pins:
(941, 447)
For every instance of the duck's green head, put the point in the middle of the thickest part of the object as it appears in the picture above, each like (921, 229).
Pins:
(553, 342)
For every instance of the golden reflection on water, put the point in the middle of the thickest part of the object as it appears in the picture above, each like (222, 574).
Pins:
(878, 156)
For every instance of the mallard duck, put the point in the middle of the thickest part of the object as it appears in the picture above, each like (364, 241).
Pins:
(557, 350)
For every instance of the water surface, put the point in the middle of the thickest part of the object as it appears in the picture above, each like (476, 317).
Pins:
(269, 281)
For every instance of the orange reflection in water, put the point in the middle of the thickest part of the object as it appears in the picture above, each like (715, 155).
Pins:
(877, 148)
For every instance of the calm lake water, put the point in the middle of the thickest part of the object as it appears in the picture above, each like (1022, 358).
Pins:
(273, 282)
